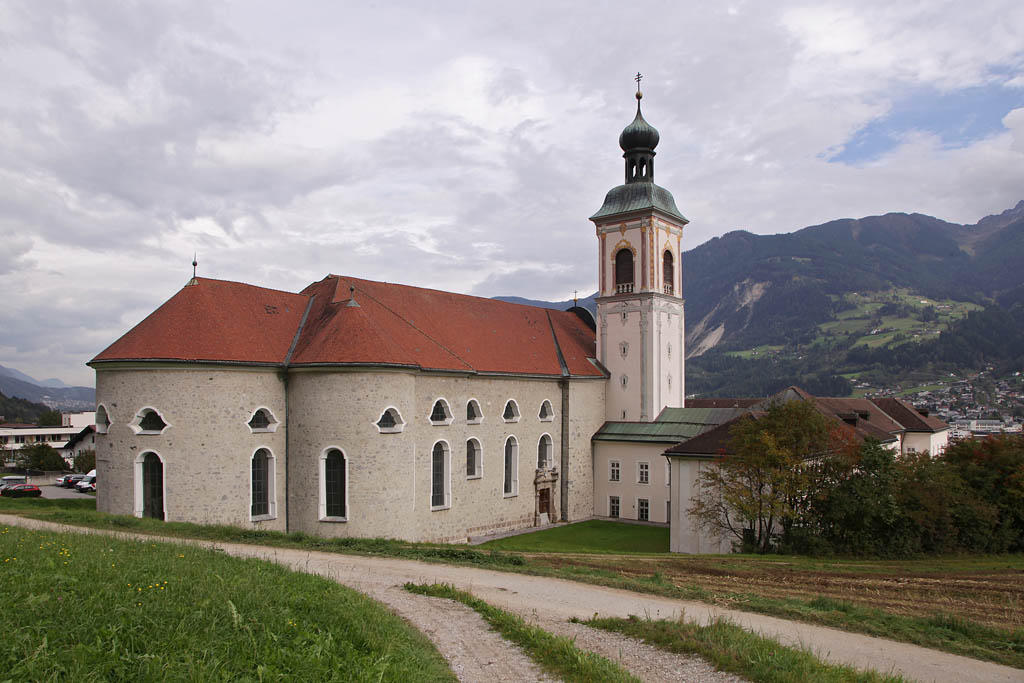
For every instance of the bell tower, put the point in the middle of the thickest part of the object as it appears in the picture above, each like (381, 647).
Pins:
(640, 299)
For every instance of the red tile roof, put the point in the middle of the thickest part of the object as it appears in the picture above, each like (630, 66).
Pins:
(359, 322)
(214, 320)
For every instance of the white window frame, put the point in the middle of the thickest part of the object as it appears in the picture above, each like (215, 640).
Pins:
(618, 501)
(322, 511)
(271, 486)
(399, 422)
(551, 412)
(614, 470)
(479, 411)
(479, 459)
(643, 472)
(447, 476)
(103, 429)
(648, 502)
(447, 411)
(515, 409)
(134, 424)
(515, 468)
(139, 485)
(270, 428)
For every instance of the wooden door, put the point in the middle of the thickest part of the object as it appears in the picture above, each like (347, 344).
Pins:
(544, 502)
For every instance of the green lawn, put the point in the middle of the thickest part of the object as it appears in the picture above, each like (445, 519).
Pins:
(594, 536)
(79, 607)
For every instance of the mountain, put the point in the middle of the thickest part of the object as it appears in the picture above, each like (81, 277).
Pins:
(586, 302)
(52, 393)
(20, 410)
(880, 299)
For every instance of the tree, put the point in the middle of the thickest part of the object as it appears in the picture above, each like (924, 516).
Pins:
(40, 456)
(51, 418)
(863, 512)
(776, 464)
(85, 461)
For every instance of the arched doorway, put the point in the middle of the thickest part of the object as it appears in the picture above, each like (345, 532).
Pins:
(152, 486)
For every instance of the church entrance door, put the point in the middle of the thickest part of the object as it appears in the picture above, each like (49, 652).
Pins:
(544, 502)
(152, 487)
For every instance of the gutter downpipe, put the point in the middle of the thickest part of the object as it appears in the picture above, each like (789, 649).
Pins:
(283, 376)
(563, 386)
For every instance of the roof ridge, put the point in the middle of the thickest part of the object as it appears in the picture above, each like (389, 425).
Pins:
(410, 323)
(243, 284)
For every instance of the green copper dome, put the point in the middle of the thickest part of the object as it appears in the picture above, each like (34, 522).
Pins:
(638, 192)
(639, 134)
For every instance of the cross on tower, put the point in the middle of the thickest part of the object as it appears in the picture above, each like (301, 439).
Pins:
(638, 78)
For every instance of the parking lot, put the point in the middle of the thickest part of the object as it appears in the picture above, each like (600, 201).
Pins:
(51, 491)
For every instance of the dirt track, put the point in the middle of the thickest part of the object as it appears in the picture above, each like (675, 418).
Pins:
(554, 601)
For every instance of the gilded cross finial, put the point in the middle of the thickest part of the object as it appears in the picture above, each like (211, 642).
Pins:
(194, 264)
(638, 78)
(575, 300)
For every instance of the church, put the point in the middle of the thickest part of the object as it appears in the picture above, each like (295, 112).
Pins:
(372, 409)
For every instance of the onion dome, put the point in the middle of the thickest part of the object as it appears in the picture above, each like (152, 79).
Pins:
(639, 134)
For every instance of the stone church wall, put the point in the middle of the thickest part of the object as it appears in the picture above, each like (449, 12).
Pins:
(207, 448)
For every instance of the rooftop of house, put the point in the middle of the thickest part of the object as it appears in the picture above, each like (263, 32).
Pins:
(912, 419)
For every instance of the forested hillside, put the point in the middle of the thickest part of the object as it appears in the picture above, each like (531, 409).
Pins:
(882, 299)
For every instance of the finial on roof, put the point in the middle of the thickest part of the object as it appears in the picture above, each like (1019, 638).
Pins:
(638, 78)
(195, 263)
(352, 303)
(575, 300)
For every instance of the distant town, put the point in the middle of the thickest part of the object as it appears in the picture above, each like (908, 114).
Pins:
(975, 405)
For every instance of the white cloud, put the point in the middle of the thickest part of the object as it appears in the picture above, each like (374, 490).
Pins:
(444, 146)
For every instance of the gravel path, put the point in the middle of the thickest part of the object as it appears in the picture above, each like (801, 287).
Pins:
(551, 602)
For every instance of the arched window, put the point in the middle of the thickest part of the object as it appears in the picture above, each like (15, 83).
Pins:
(511, 481)
(668, 272)
(148, 421)
(440, 488)
(263, 421)
(546, 412)
(390, 422)
(474, 415)
(334, 486)
(440, 414)
(262, 484)
(511, 412)
(544, 452)
(623, 271)
(473, 464)
(102, 419)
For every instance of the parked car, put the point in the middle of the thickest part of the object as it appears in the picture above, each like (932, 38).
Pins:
(72, 480)
(87, 484)
(21, 491)
(12, 480)
(62, 480)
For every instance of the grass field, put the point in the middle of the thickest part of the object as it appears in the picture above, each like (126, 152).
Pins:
(966, 605)
(594, 536)
(80, 607)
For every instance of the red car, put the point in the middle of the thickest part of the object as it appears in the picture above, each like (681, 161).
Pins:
(21, 491)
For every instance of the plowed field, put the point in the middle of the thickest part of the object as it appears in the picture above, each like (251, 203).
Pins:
(985, 590)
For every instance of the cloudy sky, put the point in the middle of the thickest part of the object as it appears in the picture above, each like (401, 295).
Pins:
(460, 145)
